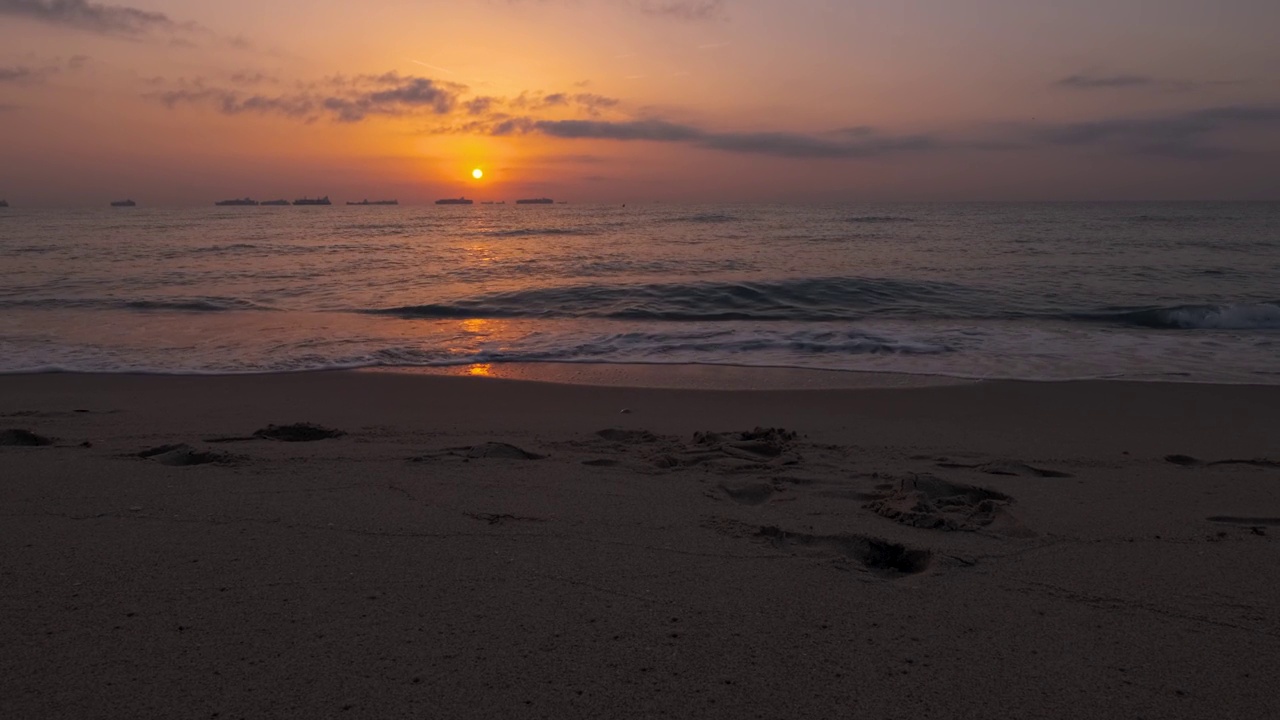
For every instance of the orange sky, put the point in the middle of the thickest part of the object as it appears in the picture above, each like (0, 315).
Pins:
(182, 102)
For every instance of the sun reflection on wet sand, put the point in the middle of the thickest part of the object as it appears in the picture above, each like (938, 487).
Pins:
(480, 370)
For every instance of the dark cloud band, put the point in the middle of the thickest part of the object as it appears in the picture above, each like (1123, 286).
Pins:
(94, 17)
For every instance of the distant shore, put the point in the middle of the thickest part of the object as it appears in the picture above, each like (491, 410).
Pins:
(479, 547)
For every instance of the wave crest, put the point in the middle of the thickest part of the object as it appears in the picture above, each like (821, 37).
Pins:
(804, 299)
(1258, 316)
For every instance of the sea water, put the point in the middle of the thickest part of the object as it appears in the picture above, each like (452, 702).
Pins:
(1177, 292)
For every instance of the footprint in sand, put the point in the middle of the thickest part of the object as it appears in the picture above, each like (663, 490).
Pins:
(732, 452)
(751, 493)
(601, 462)
(500, 518)
(880, 557)
(22, 438)
(725, 452)
(928, 502)
(298, 432)
(183, 455)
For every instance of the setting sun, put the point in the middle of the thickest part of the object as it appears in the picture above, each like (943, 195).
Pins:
(477, 173)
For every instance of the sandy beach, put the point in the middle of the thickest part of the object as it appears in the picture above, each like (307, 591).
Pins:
(384, 545)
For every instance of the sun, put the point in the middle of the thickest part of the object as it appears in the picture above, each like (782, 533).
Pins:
(477, 173)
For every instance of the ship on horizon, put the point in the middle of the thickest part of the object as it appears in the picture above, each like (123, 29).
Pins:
(367, 201)
(313, 201)
(123, 203)
(274, 202)
(455, 201)
(244, 201)
(535, 201)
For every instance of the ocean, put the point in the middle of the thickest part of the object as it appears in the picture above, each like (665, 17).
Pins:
(1159, 292)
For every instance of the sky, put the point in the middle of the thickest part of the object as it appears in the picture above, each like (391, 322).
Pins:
(179, 102)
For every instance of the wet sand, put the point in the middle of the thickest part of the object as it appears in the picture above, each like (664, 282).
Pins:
(475, 547)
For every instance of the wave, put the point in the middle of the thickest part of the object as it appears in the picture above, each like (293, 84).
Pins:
(1258, 316)
(806, 299)
(533, 232)
(824, 299)
(196, 304)
(870, 219)
(705, 218)
(1180, 219)
(771, 348)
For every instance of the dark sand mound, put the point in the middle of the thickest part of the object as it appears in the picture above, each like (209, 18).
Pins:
(929, 502)
(1188, 461)
(487, 451)
(1015, 468)
(183, 455)
(501, 451)
(298, 432)
(630, 437)
(22, 438)
(1246, 521)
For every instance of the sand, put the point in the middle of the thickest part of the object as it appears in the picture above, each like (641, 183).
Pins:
(205, 547)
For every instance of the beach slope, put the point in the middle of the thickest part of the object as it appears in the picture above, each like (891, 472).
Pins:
(376, 545)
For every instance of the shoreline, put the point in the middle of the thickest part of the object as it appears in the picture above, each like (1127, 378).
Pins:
(666, 376)
(480, 547)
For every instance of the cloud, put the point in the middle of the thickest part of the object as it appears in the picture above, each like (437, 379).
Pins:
(1189, 135)
(354, 99)
(252, 78)
(1093, 82)
(481, 105)
(654, 130)
(695, 10)
(590, 104)
(1186, 135)
(450, 108)
(19, 73)
(94, 17)
(687, 10)
(26, 74)
(778, 144)
(341, 99)
(1085, 81)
